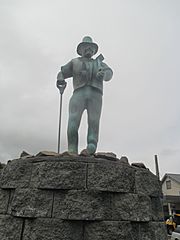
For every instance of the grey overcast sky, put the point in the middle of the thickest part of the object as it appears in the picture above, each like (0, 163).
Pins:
(140, 40)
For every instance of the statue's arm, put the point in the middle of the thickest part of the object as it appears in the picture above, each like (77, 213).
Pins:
(108, 73)
(60, 78)
(66, 72)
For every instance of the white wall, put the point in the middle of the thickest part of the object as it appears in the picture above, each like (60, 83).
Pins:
(175, 188)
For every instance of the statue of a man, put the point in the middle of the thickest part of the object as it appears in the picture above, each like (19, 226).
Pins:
(88, 75)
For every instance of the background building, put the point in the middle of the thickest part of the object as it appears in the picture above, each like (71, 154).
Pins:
(171, 194)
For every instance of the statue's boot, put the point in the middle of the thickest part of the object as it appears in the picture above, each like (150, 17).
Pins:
(89, 151)
(91, 147)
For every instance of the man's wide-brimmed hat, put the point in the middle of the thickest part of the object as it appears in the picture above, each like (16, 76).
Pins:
(87, 41)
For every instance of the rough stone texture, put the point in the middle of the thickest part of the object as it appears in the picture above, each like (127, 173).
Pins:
(157, 209)
(147, 183)
(59, 175)
(25, 155)
(52, 229)
(112, 177)
(149, 231)
(2, 165)
(131, 207)
(16, 173)
(4, 199)
(138, 165)
(28, 202)
(82, 205)
(158, 230)
(79, 198)
(124, 160)
(108, 230)
(106, 155)
(10, 228)
(47, 153)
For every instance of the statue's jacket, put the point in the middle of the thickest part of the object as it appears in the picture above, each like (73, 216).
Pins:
(84, 72)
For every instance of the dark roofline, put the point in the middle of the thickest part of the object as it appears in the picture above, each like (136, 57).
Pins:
(170, 175)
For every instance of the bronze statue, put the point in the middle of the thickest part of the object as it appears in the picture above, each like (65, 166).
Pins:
(88, 75)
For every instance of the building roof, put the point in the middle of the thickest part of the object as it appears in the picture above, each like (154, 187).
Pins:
(172, 176)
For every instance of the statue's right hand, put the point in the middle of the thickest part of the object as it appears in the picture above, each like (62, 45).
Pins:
(61, 85)
(60, 82)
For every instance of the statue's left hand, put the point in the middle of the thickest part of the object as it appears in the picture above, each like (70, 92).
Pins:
(100, 74)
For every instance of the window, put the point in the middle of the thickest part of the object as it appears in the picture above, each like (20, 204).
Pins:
(168, 184)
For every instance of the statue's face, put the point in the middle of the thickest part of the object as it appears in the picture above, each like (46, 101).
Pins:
(88, 52)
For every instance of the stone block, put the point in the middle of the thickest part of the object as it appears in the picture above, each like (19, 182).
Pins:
(158, 230)
(59, 175)
(112, 176)
(52, 229)
(157, 209)
(4, 200)
(108, 230)
(55, 198)
(10, 228)
(147, 183)
(16, 173)
(82, 205)
(131, 207)
(149, 231)
(106, 155)
(31, 203)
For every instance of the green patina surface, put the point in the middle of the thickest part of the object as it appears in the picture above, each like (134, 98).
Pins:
(88, 76)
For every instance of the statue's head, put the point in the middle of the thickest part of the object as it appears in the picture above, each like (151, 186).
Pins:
(87, 48)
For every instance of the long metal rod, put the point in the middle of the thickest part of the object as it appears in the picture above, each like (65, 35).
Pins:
(157, 166)
(59, 132)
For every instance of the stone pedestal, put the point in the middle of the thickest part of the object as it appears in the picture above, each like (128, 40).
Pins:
(79, 198)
